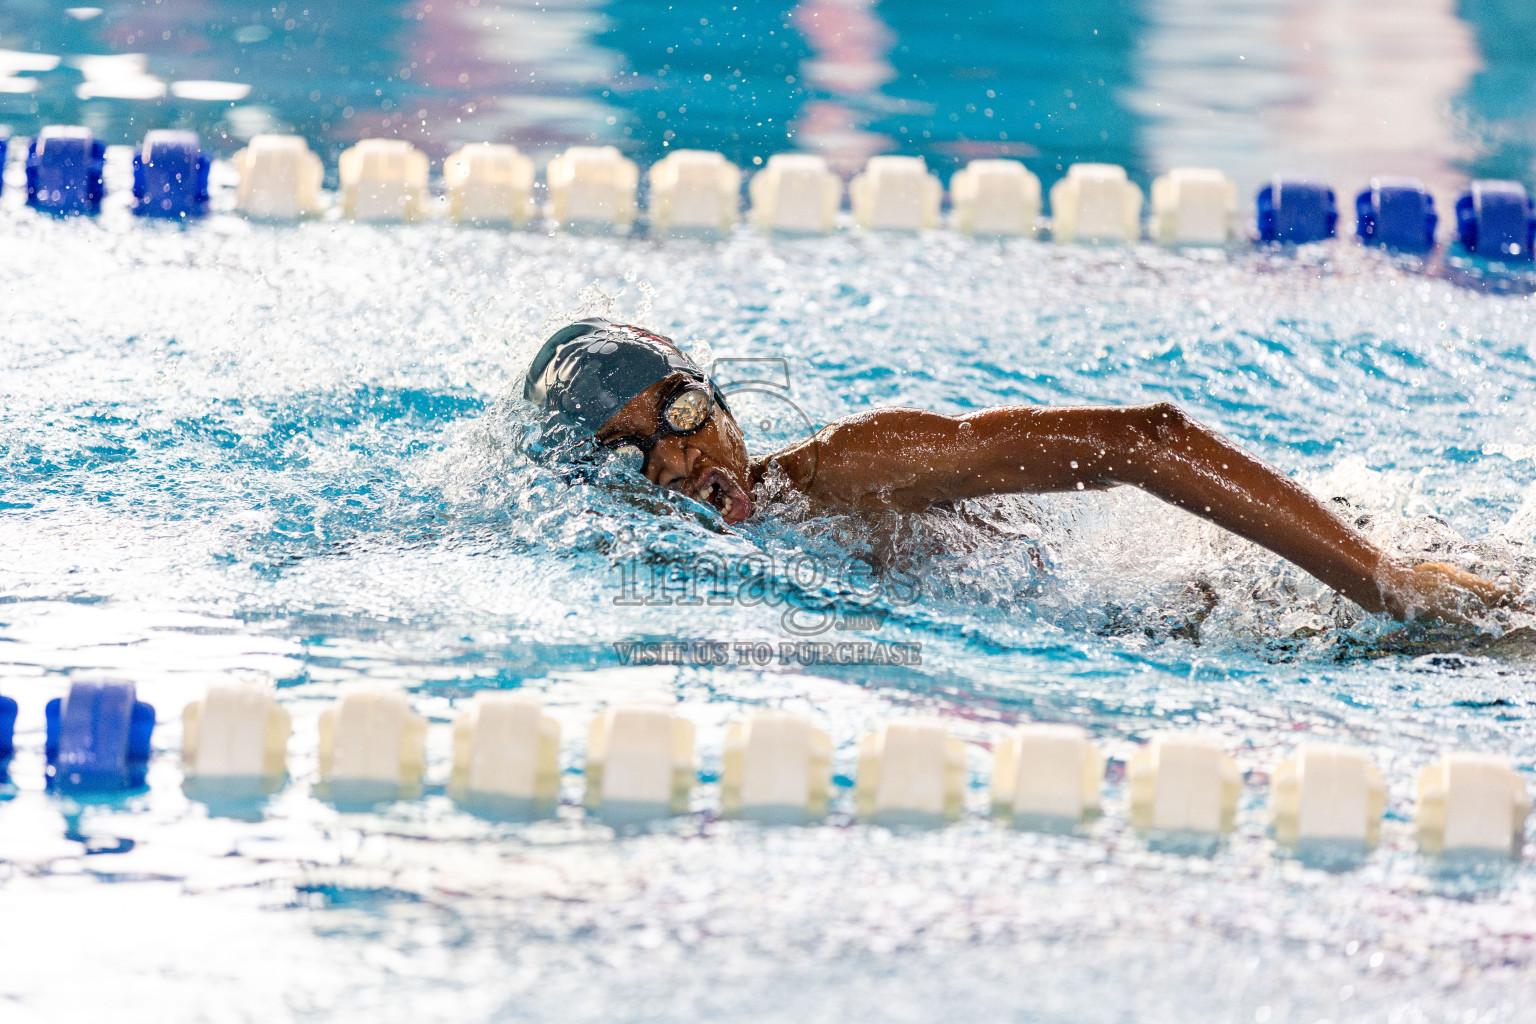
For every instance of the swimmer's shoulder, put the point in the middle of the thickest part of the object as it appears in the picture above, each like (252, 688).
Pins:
(860, 431)
(839, 467)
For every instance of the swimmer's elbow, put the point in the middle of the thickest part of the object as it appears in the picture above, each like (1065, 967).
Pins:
(1167, 414)
(1160, 424)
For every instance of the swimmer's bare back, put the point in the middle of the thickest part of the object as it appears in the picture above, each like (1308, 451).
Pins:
(911, 459)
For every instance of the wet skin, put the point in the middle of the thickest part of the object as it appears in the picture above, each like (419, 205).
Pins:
(910, 459)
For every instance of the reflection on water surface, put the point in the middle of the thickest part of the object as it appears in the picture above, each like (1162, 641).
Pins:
(1422, 87)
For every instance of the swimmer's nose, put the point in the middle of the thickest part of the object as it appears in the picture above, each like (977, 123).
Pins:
(672, 462)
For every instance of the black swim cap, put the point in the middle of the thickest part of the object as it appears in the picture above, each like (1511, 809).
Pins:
(587, 372)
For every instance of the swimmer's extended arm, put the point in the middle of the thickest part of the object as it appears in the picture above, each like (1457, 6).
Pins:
(909, 459)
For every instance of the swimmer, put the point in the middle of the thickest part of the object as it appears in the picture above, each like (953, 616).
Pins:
(648, 403)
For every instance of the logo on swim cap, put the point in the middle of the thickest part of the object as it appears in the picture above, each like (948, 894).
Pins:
(600, 345)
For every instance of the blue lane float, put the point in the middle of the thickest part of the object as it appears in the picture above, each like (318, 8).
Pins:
(98, 738)
(7, 737)
(1495, 220)
(170, 176)
(1296, 210)
(1396, 213)
(64, 171)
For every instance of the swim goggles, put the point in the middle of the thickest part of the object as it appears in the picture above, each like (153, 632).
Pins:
(684, 411)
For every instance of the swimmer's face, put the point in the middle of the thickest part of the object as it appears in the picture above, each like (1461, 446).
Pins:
(709, 465)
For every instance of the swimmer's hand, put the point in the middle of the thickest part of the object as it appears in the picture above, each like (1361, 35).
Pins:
(1440, 591)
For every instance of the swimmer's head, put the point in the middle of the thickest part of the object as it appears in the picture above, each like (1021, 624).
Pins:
(641, 397)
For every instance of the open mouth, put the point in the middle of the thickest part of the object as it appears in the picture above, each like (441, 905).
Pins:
(715, 487)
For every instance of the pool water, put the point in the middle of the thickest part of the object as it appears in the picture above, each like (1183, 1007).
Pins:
(296, 453)
(1434, 88)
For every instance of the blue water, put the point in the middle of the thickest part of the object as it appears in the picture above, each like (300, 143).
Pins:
(296, 453)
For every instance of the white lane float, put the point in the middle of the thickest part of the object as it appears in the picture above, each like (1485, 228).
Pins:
(489, 185)
(796, 193)
(1183, 783)
(279, 178)
(506, 756)
(1095, 203)
(383, 180)
(592, 186)
(1327, 793)
(911, 772)
(1473, 803)
(694, 190)
(235, 742)
(995, 198)
(372, 748)
(895, 193)
(1194, 206)
(1046, 776)
(639, 762)
(777, 767)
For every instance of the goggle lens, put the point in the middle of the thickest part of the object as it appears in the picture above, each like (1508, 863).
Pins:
(688, 411)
